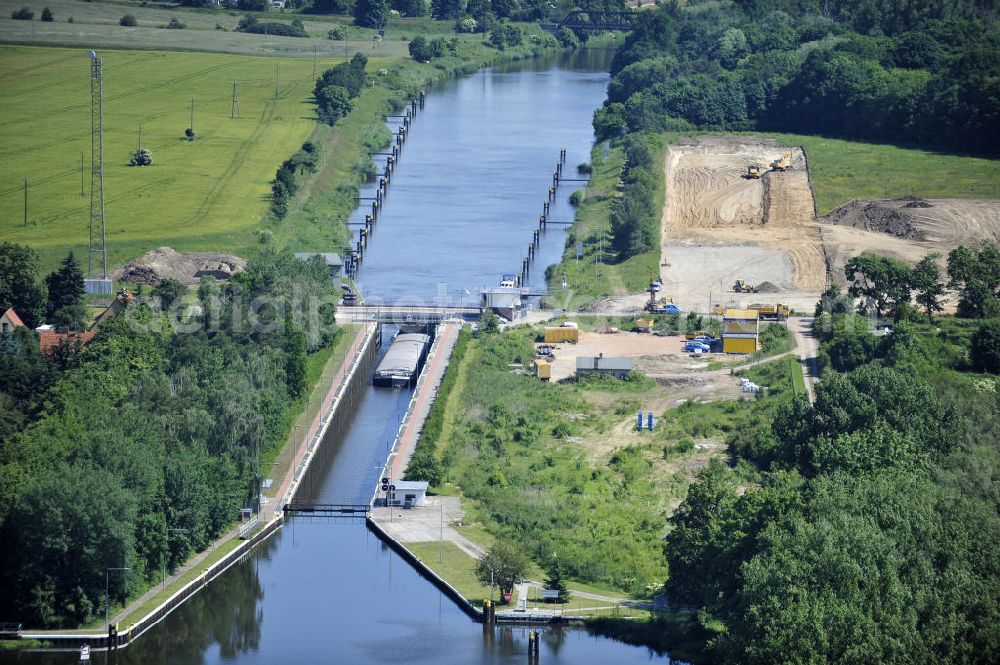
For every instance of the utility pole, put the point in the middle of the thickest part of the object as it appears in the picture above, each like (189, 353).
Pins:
(25, 203)
(276, 81)
(235, 113)
(97, 165)
(81, 174)
(140, 137)
(192, 117)
(314, 63)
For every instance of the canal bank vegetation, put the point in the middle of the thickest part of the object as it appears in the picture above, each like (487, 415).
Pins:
(617, 222)
(144, 445)
(559, 470)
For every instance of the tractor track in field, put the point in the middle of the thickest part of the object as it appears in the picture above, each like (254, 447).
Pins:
(222, 182)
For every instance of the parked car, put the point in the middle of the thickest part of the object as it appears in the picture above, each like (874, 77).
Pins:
(696, 346)
(671, 308)
(704, 339)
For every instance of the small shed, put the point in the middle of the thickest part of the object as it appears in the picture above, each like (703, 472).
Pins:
(333, 261)
(740, 328)
(617, 367)
(408, 493)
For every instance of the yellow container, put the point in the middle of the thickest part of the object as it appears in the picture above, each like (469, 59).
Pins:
(544, 371)
(739, 344)
(562, 334)
(644, 325)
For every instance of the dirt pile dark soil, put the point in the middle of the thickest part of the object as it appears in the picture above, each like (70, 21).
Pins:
(892, 217)
(767, 287)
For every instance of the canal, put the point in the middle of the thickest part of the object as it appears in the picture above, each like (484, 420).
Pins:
(461, 209)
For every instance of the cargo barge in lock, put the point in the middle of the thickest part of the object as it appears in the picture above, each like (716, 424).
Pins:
(401, 363)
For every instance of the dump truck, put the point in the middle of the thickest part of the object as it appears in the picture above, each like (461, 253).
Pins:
(776, 312)
(644, 325)
(755, 171)
(743, 286)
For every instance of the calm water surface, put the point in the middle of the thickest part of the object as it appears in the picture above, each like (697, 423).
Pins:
(462, 206)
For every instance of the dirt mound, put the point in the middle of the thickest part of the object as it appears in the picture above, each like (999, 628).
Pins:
(188, 268)
(767, 287)
(892, 217)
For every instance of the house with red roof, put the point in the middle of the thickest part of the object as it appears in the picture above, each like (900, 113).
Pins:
(10, 320)
(49, 340)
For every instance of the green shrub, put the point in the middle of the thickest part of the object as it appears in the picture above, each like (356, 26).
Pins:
(985, 348)
(128, 21)
(22, 14)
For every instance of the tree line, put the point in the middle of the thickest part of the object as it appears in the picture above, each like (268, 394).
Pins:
(888, 286)
(634, 216)
(148, 442)
(924, 72)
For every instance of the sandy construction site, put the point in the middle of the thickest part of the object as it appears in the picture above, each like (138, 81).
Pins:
(719, 225)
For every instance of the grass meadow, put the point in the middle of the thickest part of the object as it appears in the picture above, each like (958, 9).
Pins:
(209, 193)
(846, 170)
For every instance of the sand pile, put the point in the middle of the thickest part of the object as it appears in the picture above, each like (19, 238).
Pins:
(188, 268)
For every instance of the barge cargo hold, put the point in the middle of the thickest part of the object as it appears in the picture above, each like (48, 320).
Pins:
(402, 361)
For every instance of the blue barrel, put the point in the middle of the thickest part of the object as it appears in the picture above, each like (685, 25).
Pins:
(649, 421)
(638, 423)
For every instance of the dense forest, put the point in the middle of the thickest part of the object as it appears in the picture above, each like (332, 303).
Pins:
(919, 72)
(139, 448)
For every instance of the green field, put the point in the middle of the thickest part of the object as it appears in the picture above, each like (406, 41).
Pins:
(845, 170)
(208, 193)
(96, 24)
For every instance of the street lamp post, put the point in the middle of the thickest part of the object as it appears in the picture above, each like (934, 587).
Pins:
(107, 578)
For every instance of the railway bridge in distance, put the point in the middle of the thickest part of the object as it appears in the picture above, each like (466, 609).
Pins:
(597, 21)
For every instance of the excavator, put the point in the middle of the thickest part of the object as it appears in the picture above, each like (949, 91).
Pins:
(743, 286)
(782, 163)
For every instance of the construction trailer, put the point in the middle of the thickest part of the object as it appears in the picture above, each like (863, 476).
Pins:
(543, 370)
(561, 334)
(616, 367)
(740, 329)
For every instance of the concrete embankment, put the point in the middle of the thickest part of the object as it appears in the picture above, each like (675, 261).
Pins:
(346, 387)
